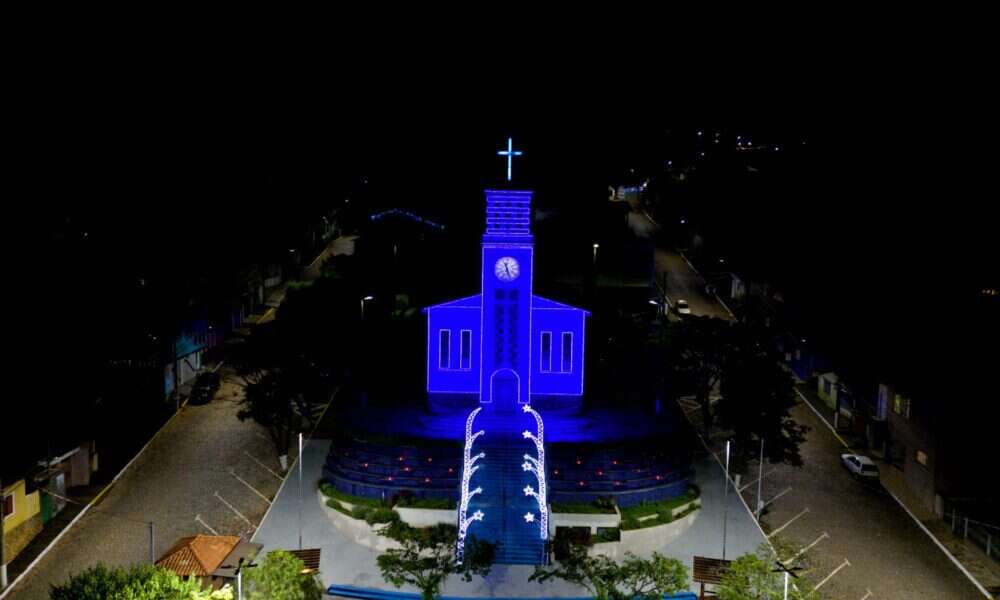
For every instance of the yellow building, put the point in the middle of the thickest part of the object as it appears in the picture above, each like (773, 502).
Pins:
(22, 517)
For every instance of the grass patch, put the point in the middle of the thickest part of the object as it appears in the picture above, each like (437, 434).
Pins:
(337, 506)
(331, 492)
(659, 513)
(583, 509)
(436, 503)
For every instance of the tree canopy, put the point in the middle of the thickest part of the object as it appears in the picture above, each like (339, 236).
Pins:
(426, 557)
(139, 582)
(280, 577)
(606, 579)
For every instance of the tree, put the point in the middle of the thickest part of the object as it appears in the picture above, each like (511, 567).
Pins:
(701, 345)
(269, 402)
(140, 582)
(426, 557)
(757, 394)
(280, 577)
(753, 577)
(607, 580)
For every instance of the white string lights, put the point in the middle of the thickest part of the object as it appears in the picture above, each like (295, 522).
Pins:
(537, 466)
(469, 467)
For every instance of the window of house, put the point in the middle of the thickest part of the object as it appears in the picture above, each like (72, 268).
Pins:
(922, 458)
(546, 353)
(901, 405)
(566, 365)
(8, 505)
(444, 349)
(465, 357)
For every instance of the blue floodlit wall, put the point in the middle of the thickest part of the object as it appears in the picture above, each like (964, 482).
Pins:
(557, 366)
(448, 370)
(504, 337)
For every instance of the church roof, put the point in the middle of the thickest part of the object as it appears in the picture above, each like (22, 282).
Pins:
(537, 302)
(467, 302)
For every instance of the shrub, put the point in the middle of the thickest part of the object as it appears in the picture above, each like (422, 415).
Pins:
(331, 492)
(381, 515)
(437, 503)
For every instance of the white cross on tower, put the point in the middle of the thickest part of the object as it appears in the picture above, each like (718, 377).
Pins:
(510, 153)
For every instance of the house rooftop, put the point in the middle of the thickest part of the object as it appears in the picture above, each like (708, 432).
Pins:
(198, 555)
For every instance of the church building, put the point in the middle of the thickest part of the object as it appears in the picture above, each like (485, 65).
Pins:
(505, 344)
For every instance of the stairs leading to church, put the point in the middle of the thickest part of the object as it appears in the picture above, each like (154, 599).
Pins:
(503, 479)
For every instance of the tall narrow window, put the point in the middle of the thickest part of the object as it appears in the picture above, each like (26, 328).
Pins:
(546, 364)
(567, 352)
(444, 349)
(8, 505)
(466, 355)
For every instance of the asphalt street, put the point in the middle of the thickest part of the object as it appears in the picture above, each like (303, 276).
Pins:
(176, 483)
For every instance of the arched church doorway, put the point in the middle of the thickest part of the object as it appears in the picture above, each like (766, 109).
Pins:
(505, 390)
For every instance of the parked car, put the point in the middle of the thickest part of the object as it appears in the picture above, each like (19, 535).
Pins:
(682, 307)
(204, 388)
(860, 466)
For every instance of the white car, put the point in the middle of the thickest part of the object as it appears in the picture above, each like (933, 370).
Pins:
(682, 307)
(860, 466)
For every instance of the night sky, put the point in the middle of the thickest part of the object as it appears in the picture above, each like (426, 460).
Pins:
(873, 217)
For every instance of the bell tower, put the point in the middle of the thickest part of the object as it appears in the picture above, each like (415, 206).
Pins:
(507, 261)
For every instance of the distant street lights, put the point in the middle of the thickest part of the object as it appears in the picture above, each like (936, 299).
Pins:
(596, 246)
(363, 300)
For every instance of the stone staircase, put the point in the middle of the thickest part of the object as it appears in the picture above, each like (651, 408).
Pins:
(503, 479)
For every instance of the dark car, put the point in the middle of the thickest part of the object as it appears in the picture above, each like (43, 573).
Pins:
(204, 388)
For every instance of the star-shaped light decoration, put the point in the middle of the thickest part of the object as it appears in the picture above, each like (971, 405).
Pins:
(526, 434)
(478, 515)
(526, 466)
(529, 517)
(528, 490)
(525, 407)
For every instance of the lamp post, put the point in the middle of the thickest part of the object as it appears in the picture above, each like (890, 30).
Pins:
(363, 300)
(596, 246)
(3, 562)
(239, 574)
(725, 504)
(787, 571)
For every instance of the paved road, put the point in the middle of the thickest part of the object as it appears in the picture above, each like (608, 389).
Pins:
(888, 553)
(682, 282)
(171, 483)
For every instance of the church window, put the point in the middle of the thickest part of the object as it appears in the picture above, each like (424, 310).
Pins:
(546, 366)
(466, 354)
(444, 349)
(566, 365)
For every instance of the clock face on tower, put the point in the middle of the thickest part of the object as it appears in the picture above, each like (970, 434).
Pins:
(507, 268)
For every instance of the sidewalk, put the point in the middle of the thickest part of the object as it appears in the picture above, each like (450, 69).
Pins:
(985, 570)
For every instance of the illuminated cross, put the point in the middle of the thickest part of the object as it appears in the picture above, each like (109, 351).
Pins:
(510, 153)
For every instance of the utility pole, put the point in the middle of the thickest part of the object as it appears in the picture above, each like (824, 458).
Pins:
(760, 480)
(152, 551)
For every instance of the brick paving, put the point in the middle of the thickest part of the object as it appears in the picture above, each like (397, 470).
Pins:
(171, 483)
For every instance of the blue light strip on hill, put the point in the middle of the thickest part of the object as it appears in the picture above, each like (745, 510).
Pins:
(537, 466)
(469, 467)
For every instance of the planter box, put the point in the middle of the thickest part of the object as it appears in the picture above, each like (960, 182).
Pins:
(643, 542)
(593, 521)
(427, 517)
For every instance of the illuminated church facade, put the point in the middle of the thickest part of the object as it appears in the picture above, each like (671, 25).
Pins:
(506, 345)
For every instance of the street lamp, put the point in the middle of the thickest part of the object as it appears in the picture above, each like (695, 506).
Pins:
(239, 574)
(596, 246)
(363, 300)
(787, 571)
